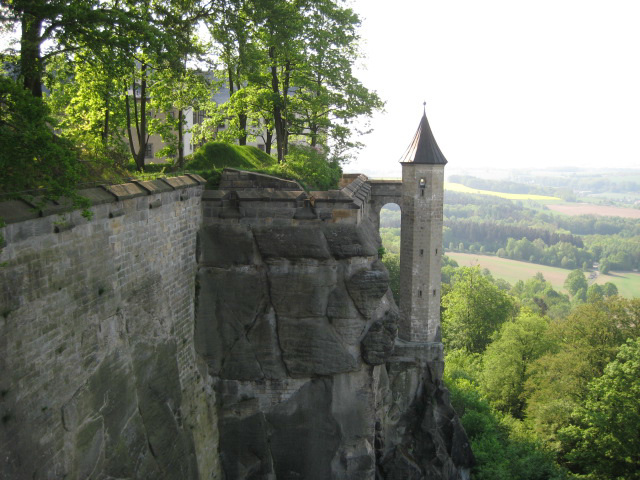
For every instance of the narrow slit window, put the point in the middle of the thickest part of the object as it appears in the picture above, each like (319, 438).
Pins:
(434, 292)
(421, 252)
(436, 251)
(419, 293)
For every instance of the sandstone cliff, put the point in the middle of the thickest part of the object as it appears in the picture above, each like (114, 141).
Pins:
(297, 326)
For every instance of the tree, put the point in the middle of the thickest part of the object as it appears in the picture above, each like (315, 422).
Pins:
(474, 309)
(86, 97)
(586, 342)
(609, 289)
(33, 158)
(603, 438)
(295, 58)
(575, 281)
(67, 25)
(392, 263)
(595, 293)
(508, 359)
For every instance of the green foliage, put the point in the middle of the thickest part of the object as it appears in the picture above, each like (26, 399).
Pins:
(609, 289)
(585, 342)
(311, 166)
(33, 158)
(539, 295)
(304, 164)
(474, 309)
(392, 263)
(603, 439)
(575, 282)
(502, 447)
(508, 359)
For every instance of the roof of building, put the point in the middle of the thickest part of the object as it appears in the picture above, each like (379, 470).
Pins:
(423, 147)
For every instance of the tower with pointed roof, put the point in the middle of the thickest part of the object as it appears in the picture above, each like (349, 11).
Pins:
(421, 238)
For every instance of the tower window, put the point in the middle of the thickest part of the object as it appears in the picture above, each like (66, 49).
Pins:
(434, 292)
(421, 252)
(436, 251)
(419, 293)
(422, 184)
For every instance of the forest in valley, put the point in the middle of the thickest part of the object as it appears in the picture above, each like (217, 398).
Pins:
(546, 379)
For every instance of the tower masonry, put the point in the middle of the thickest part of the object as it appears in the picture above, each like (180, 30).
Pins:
(421, 237)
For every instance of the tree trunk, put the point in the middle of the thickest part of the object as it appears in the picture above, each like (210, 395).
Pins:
(180, 141)
(30, 61)
(140, 122)
(242, 118)
(105, 128)
(267, 141)
(285, 93)
(277, 111)
(142, 138)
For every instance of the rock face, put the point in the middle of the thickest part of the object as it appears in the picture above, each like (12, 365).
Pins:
(299, 332)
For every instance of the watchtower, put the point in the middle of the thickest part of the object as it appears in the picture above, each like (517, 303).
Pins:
(421, 239)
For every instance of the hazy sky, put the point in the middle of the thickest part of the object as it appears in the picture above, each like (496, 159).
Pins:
(508, 83)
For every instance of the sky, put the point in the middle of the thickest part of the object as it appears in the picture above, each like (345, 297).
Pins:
(507, 83)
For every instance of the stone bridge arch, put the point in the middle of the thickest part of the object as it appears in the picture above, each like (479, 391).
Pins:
(383, 192)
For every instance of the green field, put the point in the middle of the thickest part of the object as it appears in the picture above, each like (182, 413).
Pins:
(458, 187)
(628, 283)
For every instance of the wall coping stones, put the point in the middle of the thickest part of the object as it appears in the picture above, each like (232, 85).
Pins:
(240, 179)
(154, 186)
(30, 208)
(125, 191)
(97, 195)
(13, 211)
(182, 181)
(197, 178)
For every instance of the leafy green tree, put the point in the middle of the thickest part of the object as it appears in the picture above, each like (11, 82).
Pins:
(508, 359)
(86, 98)
(392, 263)
(603, 440)
(474, 309)
(33, 157)
(609, 289)
(575, 281)
(103, 27)
(585, 342)
(595, 293)
(503, 449)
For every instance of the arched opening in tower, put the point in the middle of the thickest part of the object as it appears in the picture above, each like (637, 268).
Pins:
(390, 234)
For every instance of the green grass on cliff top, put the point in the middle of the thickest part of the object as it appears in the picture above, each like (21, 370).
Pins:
(219, 155)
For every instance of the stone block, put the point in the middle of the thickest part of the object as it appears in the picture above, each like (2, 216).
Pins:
(13, 211)
(292, 242)
(97, 195)
(126, 191)
(300, 289)
(182, 181)
(153, 186)
(348, 240)
(310, 346)
(226, 245)
(367, 287)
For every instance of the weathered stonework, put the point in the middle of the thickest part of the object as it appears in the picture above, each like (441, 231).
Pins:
(243, 333)
(98, 373)
(298, 327)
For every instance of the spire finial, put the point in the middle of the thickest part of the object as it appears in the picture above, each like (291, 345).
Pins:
(424, 107)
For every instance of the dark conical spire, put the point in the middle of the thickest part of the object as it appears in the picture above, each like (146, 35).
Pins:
(423, 148)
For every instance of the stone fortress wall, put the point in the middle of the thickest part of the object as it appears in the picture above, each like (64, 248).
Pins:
(246, 332)
(98, 376)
